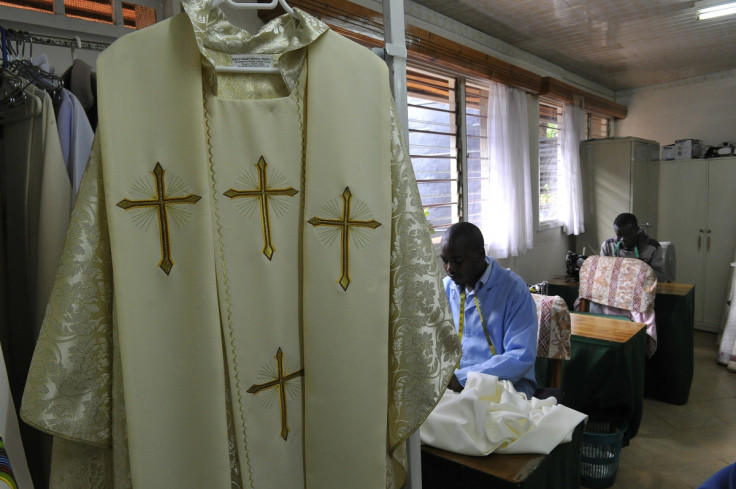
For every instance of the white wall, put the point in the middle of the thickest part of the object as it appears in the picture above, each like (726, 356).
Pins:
(699, 108)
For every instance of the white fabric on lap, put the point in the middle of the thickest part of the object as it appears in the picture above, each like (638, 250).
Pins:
(490, 416)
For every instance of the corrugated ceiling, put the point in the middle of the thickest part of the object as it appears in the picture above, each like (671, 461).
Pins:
(619, 44)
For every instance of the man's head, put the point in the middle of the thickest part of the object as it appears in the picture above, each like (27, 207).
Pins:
(626, 228)
(463, 254)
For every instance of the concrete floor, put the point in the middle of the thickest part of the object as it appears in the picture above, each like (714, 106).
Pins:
(679, 447)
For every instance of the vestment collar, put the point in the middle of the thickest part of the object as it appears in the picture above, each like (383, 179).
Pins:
(218, 39)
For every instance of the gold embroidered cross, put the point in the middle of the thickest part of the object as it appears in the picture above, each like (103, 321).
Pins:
(160, 203)
(344, 223)
(263, 193)
(280, 382)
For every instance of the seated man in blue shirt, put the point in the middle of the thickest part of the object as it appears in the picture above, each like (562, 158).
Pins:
(497, 321)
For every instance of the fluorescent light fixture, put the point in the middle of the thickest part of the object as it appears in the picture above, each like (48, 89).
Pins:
(712, 9)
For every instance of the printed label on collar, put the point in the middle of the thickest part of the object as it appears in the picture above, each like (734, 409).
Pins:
(253, 60)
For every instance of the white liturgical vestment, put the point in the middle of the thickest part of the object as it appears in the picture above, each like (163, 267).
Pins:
(248, 295)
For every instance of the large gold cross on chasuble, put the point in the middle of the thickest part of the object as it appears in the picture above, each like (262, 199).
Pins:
(344, 223)
(263, 193)
(279, 382)
(160, 204)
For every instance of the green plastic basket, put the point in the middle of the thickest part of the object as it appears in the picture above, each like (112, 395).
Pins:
(601, 450)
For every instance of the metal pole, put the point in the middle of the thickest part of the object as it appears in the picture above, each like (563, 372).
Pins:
(395, 56)
(395, 46)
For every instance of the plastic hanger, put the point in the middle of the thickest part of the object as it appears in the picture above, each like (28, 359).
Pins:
(253, 6)
(30, 106)
(12, 91)
(77, 45)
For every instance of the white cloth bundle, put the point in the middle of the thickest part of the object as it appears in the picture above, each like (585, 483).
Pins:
(490, 416)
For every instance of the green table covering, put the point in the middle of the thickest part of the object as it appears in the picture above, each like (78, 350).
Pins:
(603, 378)
(669, 373)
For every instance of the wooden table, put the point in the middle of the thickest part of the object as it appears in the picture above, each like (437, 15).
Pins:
(618, 349)
(669, 372)
(605, 374)
(604, 328)
(558, 470)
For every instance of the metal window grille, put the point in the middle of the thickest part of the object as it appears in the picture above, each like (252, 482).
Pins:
(598, 127)
(550, 127)
(37, 5)
(476, 121)
(134, 16)
(433, 146)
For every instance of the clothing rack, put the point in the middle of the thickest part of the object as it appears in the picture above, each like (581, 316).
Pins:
(64, 42)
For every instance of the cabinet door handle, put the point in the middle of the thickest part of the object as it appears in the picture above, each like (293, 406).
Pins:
(700, 240)
(707, 240)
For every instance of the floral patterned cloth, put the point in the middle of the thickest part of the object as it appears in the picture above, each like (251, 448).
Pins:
(554, 327)
(621, 287)
(625, 283)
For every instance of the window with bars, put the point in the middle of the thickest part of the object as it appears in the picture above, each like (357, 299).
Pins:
(477, 161)
(550, 127)
(550, 133)
(598, 126)
(433, 145)
(446, 115)
(134, 16)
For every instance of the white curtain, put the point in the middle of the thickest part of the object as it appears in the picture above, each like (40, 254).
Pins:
(507, 211)
(569, 179)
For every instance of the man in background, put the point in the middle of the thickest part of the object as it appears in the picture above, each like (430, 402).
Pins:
(632, 242)
(493, 312)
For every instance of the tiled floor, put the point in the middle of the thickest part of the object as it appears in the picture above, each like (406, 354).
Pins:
(679, 447)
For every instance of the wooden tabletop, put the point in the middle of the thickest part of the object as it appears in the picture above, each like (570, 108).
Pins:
(672, 288)
(514, 468)
(604, 328)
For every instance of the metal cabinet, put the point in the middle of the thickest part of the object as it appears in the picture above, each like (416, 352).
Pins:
(619, 175)
(697, 203)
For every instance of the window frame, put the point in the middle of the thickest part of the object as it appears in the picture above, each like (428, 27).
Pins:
(546, 224)
(461, 138)
(590, 116)
(58, 24)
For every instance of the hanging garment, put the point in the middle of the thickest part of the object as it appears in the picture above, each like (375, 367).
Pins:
(37, 203)
(13, 466)
(727, 341)
(82, 82)
(279, 318)
(75, 136)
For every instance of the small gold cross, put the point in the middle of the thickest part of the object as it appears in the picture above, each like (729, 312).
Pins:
(280, 382)
(160, 203)
(344, 223)
(263, 193)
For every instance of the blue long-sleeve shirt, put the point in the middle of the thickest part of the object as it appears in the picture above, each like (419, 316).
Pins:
(510, 317)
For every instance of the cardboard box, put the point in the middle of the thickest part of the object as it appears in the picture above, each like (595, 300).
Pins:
(686, 149)
(668, 152)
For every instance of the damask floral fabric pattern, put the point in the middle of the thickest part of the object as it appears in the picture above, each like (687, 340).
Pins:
(69, 385)
(421, 324)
